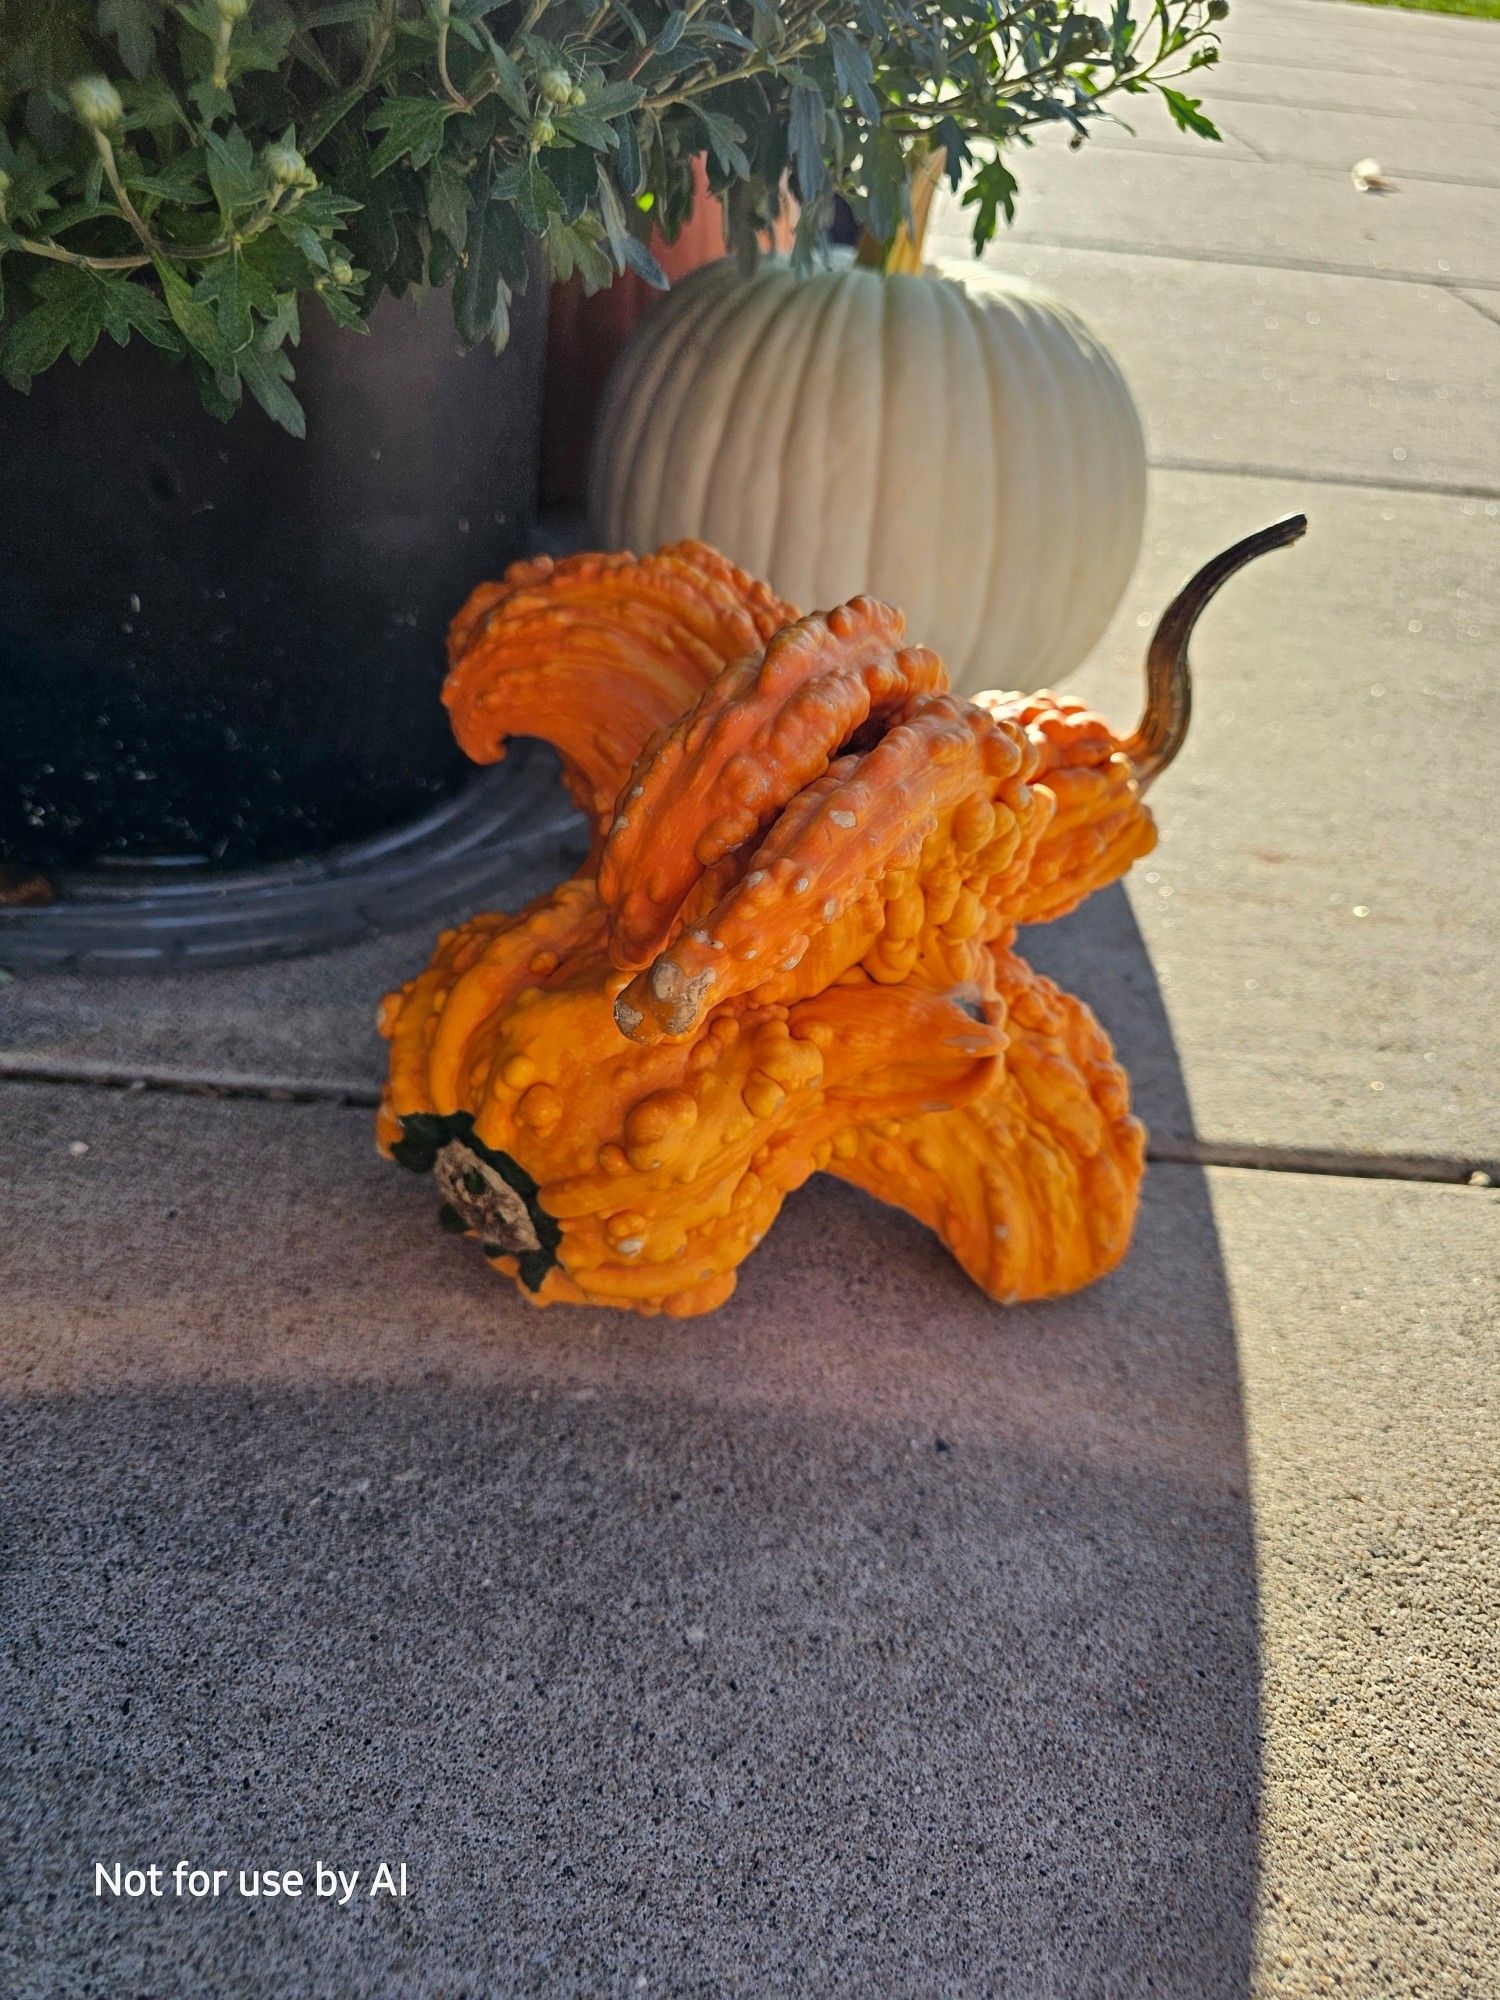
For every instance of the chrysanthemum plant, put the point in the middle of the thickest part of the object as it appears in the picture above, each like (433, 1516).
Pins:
(201, 172)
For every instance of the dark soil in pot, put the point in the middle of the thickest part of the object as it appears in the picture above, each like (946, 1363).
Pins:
(218, 641)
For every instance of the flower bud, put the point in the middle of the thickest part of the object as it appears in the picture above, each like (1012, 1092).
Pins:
(1217, 9)
(556, 86)
(286, 166)
(341, 273)
(96, 103)
(543, 132)
(231, 10)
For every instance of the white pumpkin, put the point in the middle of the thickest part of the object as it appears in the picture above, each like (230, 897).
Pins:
(962, 446)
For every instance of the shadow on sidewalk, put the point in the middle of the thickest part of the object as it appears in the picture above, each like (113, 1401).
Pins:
(863, 1638)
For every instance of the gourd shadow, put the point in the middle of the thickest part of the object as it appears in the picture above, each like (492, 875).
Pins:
(861, 1638)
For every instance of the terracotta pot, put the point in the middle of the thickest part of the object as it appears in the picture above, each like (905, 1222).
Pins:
(586, 335)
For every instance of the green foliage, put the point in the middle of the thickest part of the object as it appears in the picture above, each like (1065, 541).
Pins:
(197, 172)
(1477, 10)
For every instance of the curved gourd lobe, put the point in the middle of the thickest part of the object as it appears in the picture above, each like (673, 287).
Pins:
(408, 1020)
(1033, 1182)
(902, 1051)
(539, 947)
(833, 849)
(718, 777)
(596, 652)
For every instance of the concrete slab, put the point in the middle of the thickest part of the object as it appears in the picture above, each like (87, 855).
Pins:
(1302, 217)
(1399, 94)
(1257, 37)
(1366, 1520)
(1440, 149)
(1305, 960)
(1380, 64)
(1328, 35)
(1260, 39)
(862, 1638)
(1333, 377)
(289, 1024)
(1343, 692)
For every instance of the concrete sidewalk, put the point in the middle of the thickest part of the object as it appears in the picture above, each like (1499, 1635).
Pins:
(866, 1638)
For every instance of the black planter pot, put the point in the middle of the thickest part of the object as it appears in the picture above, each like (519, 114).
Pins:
(222, 644)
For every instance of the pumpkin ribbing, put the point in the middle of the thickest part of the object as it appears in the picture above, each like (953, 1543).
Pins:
(959, 444)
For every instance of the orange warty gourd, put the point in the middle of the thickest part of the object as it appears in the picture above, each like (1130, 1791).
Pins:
(791, 949)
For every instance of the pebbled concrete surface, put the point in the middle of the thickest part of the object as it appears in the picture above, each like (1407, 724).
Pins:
(1396, 89)
(862, 1637)
(1435, 148)
(302, 1022)
(1257, 211)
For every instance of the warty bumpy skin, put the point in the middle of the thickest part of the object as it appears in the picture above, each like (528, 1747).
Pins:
(790, 950)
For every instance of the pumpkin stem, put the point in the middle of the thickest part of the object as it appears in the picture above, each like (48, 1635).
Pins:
(1169, 682)
(904, 251)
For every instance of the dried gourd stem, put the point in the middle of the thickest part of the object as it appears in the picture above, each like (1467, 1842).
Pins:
(482, 1199)
(1169, 684)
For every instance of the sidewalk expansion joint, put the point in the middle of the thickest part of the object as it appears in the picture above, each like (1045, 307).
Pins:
(1221, 94)
(191, 1083)
(1369, 481)
(1449, 1169)
(1250, 260)
(1491, 313)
